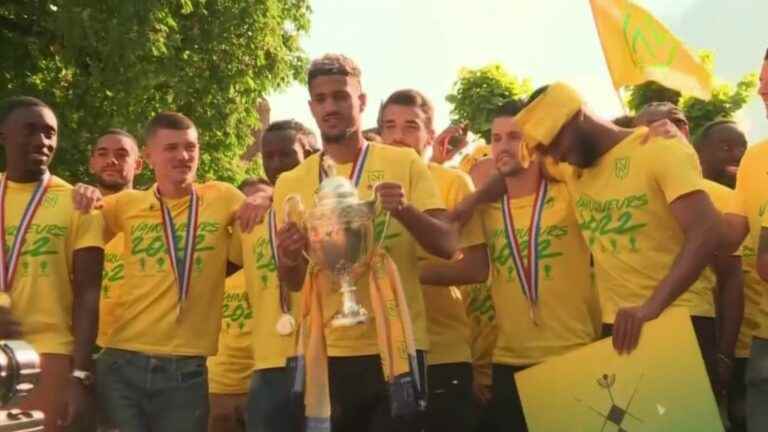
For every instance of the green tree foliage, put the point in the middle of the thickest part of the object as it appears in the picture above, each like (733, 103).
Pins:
(477, 93)
(115, 63)
(726, 99)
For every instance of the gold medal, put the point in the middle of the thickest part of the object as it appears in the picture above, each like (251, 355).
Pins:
(286, 325)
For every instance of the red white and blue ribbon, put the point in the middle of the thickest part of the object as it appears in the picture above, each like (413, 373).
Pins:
(357, 168)
(181, 259)
(527, 273)
(10, 260)
(286, 324)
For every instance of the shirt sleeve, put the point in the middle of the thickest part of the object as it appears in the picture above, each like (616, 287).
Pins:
(423, 190)
(110, 216)
(472, 232)
(738, 206)
(675, 168)
(89, 230)
(233, 198)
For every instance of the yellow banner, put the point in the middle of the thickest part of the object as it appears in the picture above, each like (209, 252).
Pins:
(661, 386)
(639, 48)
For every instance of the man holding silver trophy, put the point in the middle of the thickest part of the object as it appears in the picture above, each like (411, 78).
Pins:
(370, 371)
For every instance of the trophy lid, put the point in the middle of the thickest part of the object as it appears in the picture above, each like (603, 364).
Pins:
(336, 191)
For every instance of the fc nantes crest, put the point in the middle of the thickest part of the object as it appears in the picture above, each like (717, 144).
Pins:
(662, 386)
(621, 168)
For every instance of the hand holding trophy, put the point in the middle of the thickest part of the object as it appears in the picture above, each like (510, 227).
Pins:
(341, 241)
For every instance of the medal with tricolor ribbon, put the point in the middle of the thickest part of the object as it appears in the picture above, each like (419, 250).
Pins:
(181, 259)
(527, 273)
(358, 167)
(286, 324)
(10, 259)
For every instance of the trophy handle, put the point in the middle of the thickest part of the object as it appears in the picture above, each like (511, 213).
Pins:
(294, 212)
(377, 210)
(294, 209)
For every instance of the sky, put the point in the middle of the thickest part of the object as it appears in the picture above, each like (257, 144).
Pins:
(422, 44)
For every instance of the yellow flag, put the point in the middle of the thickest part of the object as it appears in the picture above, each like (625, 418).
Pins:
(639, 48)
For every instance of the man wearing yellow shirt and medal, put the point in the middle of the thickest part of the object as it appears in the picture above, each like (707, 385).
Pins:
(114, 163)
(746, 219)
(539, 266)
(355, 393)
(51, 263)
(152, 372)
(406, 121)
(640, 203)
(271, 335)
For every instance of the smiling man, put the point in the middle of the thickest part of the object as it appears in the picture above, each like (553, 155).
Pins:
(51, 263)
(152, 372)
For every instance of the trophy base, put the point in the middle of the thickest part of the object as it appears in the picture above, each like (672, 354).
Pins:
(350, 319)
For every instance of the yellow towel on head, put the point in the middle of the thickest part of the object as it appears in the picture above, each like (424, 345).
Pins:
(542, 120)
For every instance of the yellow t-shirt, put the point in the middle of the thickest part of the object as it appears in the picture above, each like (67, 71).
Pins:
(751, 201)
(229, 371)
(567, 298)
(252, 251)
(447, 321)
(622, 205)
(483, 330)
(753, 293)
(384, 163)
(42, 291)
(111, 283)
(148, 305)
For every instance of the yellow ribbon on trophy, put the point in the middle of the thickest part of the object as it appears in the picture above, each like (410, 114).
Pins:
(394, 330)
(543, 118)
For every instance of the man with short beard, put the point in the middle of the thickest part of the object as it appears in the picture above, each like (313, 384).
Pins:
(114, 163)
(363, 396)
(545, 302)
(152, 372)
(640, 203)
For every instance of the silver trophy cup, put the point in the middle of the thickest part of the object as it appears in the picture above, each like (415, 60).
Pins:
(341, 241)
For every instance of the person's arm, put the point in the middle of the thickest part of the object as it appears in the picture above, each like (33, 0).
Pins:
(471, 268)
(762, 254)
(87, 266)
(702, 228)
(736, 230)
(430, 228)
(730, 312)
(489, 192)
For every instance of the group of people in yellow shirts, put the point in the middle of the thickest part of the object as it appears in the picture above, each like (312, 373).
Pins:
(205, 313)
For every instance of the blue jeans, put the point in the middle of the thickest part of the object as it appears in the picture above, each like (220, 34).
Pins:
(271, 407)
(143, 393)
(757, 387)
